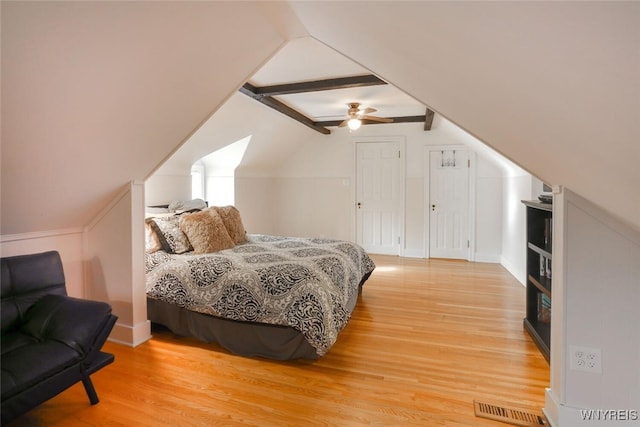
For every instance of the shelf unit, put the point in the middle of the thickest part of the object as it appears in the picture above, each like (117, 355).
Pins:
(537, 321)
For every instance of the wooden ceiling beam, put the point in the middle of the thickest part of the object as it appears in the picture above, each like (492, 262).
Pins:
(265, 95)
(317, 85)
(402, 119)
(280, 107)
(428, 121)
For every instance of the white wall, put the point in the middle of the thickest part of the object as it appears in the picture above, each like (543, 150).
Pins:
(161, 189)
(488, 206)
(314, 189)
(596, 295)
(114, 259)
(255, 197)
(514, 225)
(314, 207)
(69, 243)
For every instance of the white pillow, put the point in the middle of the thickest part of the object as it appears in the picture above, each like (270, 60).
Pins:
(187, 205)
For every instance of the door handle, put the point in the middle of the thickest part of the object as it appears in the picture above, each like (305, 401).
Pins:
(359, 205)
(433, 207)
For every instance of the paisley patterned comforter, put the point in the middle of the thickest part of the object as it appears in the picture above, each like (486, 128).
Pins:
(302, 283)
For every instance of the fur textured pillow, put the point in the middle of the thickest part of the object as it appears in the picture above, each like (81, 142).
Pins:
(152, 243)
(233, 222)
(206, 231)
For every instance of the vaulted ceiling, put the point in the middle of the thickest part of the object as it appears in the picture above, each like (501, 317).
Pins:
(314, 85)
(96, 94)
(269, 96)
(278, 123)
(559, 96)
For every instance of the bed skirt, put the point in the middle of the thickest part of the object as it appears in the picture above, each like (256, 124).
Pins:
(242, 338)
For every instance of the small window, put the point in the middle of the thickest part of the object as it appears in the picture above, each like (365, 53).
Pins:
(197, 182)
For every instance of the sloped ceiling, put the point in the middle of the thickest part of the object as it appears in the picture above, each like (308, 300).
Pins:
(273, 135)
(553, 86)
(95, 94)
(305, 59)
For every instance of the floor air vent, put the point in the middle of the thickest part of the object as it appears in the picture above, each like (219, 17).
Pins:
(508, 414)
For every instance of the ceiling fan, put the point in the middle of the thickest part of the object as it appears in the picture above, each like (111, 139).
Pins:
(356, 115)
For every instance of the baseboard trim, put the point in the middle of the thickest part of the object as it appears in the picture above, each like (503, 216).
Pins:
(131, 336)
(559, 415)
(413, 253)
(39, 234)
(489, 258)
(516, 271)
(551, 406)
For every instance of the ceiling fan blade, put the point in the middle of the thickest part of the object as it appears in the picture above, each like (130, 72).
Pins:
(377, 119)
(343, 124)
(367, 111)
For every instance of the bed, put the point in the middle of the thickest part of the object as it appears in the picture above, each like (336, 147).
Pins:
(269, 296)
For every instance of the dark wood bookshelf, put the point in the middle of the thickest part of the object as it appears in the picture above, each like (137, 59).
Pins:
(537, 321)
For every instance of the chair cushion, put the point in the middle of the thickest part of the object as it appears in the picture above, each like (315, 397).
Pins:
(24, 280)
(71, 321)
(32, 362)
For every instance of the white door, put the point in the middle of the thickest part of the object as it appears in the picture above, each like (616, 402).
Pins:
(449, 204)
(378, 196)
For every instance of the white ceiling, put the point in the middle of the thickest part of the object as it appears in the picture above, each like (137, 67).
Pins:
(553, 97)
(306, 59)
(96, 94)
(299, 60)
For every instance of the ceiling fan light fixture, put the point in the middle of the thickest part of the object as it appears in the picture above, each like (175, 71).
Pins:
(354, 124)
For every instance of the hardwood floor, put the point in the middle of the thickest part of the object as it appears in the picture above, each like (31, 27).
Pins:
(426, 339)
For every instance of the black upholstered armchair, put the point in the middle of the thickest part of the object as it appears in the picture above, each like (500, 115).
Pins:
(50, 341)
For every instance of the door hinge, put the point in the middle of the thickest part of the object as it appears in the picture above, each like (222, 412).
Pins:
(468, 163)
(398, 153)
(468, 244)
(398, 239)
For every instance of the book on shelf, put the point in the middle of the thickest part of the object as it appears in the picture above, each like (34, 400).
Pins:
(544, 308)
(545, 267)
(548, 233)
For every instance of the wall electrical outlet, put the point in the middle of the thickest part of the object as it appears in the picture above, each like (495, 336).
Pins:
(585, 359)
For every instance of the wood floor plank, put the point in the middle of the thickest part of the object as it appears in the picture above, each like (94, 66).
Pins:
(426, 339)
